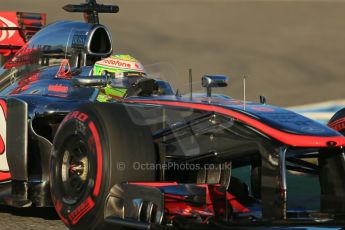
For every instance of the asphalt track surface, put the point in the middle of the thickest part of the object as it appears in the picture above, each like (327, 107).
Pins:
(29, 219)
(292, 51)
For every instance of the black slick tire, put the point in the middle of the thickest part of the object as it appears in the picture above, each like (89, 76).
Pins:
(95, 148)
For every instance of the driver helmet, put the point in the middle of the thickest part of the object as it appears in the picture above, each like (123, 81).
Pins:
(120, 67)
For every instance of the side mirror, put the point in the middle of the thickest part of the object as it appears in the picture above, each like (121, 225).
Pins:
(213, 81)
(90, 81)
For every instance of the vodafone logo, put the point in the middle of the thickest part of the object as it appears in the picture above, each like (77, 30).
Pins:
(6, 34)
(117, 63)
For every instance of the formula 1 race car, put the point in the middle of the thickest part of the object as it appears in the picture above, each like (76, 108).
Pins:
(149, 157)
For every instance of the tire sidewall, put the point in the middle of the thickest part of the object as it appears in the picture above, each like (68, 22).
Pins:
(337, 122)
(79, 123)
(121, 140)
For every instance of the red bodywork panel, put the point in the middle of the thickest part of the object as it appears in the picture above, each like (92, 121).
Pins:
(9, 33)
(16, 28)
(5, 176)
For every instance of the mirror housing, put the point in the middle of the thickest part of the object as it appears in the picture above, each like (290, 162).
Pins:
(213, 81)
(90, 81)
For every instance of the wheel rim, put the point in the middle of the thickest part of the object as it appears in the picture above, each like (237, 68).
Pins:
(75, 170)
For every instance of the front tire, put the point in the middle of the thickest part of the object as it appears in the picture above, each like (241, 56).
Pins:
(337, 122)
(95, 148)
